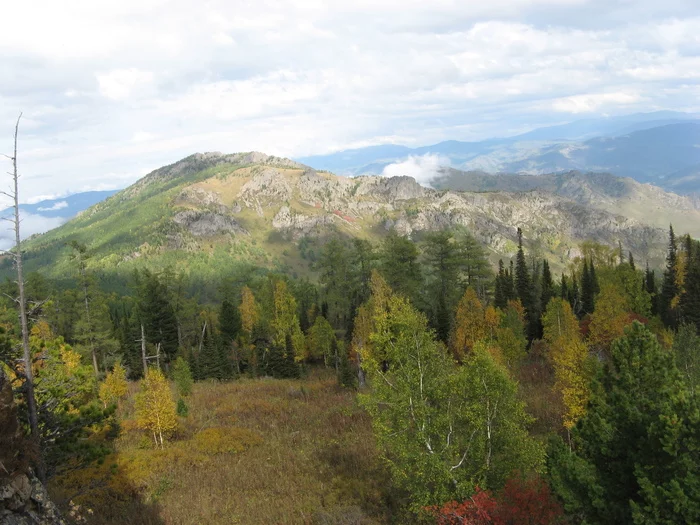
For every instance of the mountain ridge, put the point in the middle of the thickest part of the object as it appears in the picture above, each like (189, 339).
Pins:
(210, 212)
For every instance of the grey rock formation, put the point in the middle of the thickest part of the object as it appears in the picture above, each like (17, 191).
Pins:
(23, 499)
(205, 223)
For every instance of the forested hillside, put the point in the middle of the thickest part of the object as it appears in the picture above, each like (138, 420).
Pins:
(410, 383)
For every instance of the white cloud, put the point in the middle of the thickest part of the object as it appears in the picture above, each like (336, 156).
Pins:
(116, 88)
(57, 206)
(45, 197)
(122, 83)
(423, 168)
(31, 224)
(594, 102)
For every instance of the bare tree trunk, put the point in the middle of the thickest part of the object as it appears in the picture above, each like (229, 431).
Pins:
(26, 351)
(143, 351)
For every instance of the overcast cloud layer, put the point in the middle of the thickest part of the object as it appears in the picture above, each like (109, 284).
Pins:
(113, 89)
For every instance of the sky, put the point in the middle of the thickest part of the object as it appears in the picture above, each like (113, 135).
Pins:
(111, 90)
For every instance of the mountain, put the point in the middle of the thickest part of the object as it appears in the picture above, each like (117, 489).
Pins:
(649, 155)
(42, 216)
(655, 147)
(213, 215)
(644, 203)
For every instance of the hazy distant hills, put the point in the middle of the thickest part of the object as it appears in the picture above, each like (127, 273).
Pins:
(42, 216)
(662, 148)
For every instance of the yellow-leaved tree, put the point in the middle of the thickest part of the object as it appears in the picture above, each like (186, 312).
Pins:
(470, 324)
(248, 310)
(155, 406)
(115, 386)
(611, 316)
(569, 357)
(285, 321)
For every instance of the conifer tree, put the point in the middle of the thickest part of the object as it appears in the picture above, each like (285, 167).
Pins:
(689, 304)
(587, 289)
(211, 365)
(669, 285)
(523, 284)
(500, 299)
(686, 347)
(547, 286)
(182, 376)
(650, 287)
(443, 258)
(399, 266)
(635, 456)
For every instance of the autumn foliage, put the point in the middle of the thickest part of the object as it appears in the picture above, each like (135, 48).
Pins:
(521, 502)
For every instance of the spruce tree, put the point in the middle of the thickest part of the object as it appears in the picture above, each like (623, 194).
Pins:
(635, 452)
(669, 286)
(587, 289)
(523, 285)
(211, 365)
(650, 287)
(690, 298)
(500, 299)
(547, 286)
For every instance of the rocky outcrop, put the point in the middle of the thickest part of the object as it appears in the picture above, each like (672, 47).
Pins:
(23, 499)
(205, 223)
(298, 225)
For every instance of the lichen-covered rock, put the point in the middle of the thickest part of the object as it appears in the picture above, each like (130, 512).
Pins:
(23, 499)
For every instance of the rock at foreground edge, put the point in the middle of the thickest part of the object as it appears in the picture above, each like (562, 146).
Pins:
(23, 499)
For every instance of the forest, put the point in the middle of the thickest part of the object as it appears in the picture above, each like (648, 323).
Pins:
(416, 383)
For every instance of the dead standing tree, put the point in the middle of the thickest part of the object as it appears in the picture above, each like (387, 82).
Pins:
(28, 385)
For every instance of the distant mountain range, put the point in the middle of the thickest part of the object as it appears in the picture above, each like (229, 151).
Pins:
(662, 148)
(42, 216)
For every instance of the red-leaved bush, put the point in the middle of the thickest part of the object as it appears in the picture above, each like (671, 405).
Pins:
(521, 502)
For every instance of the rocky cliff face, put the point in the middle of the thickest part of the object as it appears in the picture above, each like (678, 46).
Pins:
(23, 499)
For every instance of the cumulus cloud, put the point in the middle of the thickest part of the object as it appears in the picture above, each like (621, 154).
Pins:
(137, 84)
(423, 168)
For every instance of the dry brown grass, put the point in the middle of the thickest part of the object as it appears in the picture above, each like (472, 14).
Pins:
(255, 451)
